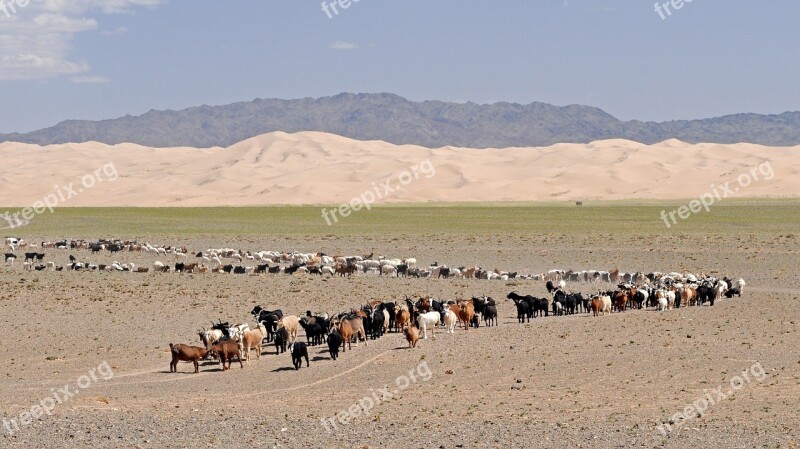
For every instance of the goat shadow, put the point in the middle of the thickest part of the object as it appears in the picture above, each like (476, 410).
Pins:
(217, 369)
(284, 368)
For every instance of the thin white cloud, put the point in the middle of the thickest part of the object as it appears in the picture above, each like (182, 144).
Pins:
(26, 56)
(89, 79)
(36, 40)
(72, 7)
(118, 31)
(341, 45)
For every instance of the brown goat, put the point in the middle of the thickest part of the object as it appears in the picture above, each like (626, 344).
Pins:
(688, 296)
(455, 308)
(601, 305)
(597, 305)
(226, 349)
(186, 353)
(620, 300)
(425, 304)
(190, 267)
(252, 340)
(345, 270)
(292, 325)
(346, 331)
(402, 317)
(465, 313)
(412, 336)
(357, 323)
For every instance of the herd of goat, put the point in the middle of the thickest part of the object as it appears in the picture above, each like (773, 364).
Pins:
(412, 318)
(659, 290)
(371, 321)
(229, 260)
(662, 291)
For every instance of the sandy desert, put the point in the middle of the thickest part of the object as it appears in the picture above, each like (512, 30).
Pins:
(274, 169)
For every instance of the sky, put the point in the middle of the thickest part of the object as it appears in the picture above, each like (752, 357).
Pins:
(94, 59)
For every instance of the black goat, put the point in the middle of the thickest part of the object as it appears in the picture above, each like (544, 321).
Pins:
(299, 350)
(269, 318)
(314, 330)
(281, 339)
(334, 343)
(490, 315)
(733, 291)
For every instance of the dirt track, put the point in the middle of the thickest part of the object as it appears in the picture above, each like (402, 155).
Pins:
(556, 382)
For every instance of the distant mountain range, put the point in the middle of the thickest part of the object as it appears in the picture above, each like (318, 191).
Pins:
(396, 120)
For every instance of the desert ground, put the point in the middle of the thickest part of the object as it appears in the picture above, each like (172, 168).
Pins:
(573, 381)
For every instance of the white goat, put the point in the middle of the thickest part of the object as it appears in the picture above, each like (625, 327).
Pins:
(424, 320)
(450, 321)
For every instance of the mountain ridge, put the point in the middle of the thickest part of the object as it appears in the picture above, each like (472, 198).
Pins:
(394, 119)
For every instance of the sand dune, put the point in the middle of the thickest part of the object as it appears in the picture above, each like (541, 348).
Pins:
(314, 168)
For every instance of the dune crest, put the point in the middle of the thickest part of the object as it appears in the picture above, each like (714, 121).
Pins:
(315, 168)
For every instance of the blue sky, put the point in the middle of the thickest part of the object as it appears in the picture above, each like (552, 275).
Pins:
(94, 59)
